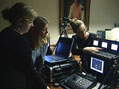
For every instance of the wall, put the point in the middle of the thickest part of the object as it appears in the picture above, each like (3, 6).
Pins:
(103, 14)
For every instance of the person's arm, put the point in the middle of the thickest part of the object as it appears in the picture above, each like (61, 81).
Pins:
(92, 49)
(89, 47)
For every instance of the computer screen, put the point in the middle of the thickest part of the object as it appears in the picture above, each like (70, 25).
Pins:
(104, 45)
(64, 46)
(114, 47)
(97, 65)
(95, 43)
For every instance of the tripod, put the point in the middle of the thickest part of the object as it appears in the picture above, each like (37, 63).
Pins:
(65, 26)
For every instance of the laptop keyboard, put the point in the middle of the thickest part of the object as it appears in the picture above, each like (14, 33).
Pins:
(54, 59)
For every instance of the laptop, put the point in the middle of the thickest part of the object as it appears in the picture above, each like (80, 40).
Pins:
(63, 50)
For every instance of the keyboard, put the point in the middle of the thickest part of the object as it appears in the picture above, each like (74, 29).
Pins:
(54, 59)
(77, 81)
(105, 54)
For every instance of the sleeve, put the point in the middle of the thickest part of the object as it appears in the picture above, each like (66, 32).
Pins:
(76, 50)
(27, 65)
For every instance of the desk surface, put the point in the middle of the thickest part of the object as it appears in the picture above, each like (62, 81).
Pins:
(52, 87)
(96, 87)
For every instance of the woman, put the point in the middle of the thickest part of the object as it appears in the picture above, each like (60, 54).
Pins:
(16, 65)
(38, 37)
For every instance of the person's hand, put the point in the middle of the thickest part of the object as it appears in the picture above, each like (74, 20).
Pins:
(48, 87)
(92, 49)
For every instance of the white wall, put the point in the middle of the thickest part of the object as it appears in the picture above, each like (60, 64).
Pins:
(103, 14)
(117, 12)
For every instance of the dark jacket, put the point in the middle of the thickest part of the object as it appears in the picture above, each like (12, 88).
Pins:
(16, 64)
(79, 44)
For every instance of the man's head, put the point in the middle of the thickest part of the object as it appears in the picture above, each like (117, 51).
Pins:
(78, 27)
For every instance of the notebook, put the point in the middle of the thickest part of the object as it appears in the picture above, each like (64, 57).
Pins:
(63, 50)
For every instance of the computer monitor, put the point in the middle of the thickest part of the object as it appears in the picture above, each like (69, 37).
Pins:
(97, 65)
(101, 33)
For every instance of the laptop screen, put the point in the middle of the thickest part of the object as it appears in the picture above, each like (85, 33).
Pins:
(64, 46)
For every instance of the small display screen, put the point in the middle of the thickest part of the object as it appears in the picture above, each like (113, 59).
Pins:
(114, 47)
(95, 42)
(97, 65)
(104, 44)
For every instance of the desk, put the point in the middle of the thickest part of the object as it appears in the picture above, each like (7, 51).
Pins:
(96, 87)
(52, 87)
